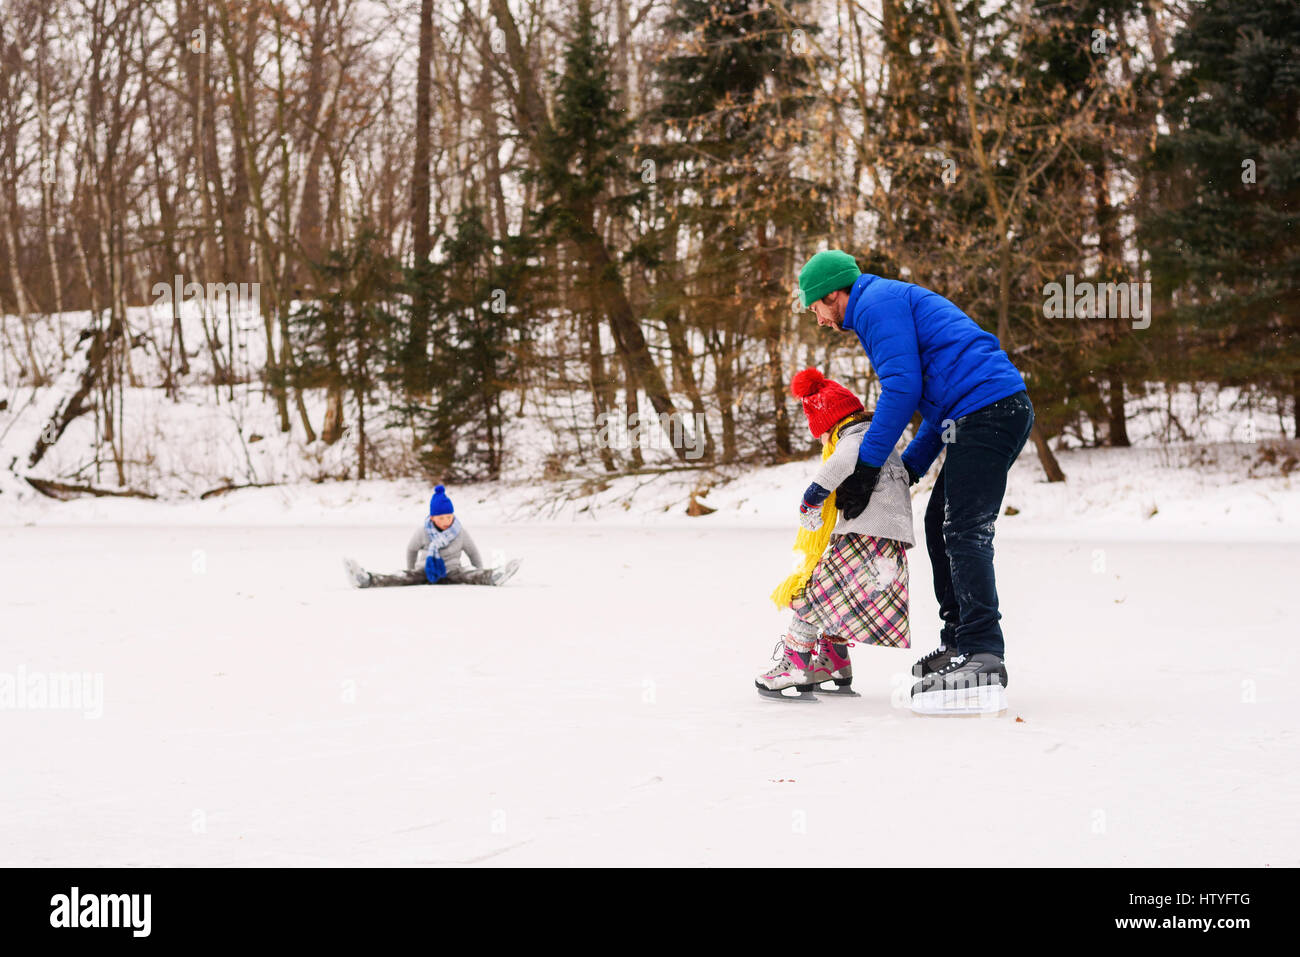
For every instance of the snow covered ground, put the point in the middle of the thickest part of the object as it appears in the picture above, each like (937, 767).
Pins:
(600, 710)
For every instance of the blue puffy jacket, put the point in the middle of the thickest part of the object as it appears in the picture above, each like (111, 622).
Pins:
(929, 355)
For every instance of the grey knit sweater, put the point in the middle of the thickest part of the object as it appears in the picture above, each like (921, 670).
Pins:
(417, 549)
(889, 513)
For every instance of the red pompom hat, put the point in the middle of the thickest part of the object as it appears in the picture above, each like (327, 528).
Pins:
(824, 400)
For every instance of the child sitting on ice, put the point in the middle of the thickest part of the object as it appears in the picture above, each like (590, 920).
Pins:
(433, 555)
(851, 583)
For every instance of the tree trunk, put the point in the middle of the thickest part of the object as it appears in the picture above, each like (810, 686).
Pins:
(361, 437)
(243, 119)
(1118, 421)
(48, 215)
(628, 336)
(420, 239)
(772, 319)
(1045, 456)
(332, 427)
(684, 376)
(602, 399)
(632, 394)
(724, 358)
(1295, 406)
(1110, 250)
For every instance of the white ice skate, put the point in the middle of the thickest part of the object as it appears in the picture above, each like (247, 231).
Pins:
(789, 679)
(359, 577)
(832, 673)
(503, 574)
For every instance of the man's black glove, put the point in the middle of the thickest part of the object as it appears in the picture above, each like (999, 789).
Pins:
(855, 491)
(912, 476)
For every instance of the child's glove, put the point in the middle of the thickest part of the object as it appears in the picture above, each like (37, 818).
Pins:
(435, 569)
(810, 516)
(912, 475)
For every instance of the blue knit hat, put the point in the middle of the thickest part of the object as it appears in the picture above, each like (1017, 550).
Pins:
(440, 504)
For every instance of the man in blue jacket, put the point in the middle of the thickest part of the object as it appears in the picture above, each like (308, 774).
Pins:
(931, 356)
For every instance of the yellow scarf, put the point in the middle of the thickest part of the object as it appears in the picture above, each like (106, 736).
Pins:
(809, 546)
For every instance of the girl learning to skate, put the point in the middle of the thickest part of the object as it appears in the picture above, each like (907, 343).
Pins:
(850, 585)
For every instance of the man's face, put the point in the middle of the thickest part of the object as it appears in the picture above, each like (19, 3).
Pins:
(830, 310)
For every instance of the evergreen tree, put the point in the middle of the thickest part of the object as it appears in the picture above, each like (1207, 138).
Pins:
(1224, 242)
(1082, 365)
(583, 153)
(476, 303)
(346, 331)
(734, 97)
(983, 132)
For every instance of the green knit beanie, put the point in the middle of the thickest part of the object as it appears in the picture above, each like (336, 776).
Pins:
(829, 270)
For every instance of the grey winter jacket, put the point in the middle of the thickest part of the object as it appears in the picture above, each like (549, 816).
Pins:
(889, 512)
(417, 549)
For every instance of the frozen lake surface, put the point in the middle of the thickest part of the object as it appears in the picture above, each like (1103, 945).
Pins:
(599, 709)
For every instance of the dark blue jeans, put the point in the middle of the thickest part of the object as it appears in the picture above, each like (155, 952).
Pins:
(959, 521)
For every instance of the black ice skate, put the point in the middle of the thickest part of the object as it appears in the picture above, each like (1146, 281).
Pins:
(974, 684)
(934, 661)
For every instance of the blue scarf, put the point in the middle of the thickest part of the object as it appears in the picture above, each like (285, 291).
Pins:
(438, 540)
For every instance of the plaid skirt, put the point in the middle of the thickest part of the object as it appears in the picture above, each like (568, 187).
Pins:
(858, 592)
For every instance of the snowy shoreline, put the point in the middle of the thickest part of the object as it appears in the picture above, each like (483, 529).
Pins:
(1121, 494)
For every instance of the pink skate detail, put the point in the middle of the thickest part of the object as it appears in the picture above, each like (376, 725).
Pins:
(829, 651)
(793, 661)
(826, 649)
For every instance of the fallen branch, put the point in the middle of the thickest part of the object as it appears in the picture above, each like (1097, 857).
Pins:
(223, 489)
(96, 345)
(63, 491)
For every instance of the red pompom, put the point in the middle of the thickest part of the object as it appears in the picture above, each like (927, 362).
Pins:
(806, 383)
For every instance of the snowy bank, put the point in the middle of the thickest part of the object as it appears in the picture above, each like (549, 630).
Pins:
(1228, 491)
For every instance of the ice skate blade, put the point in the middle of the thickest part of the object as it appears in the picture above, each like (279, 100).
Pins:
(798, 695)
(981, 701)
(830, 689)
